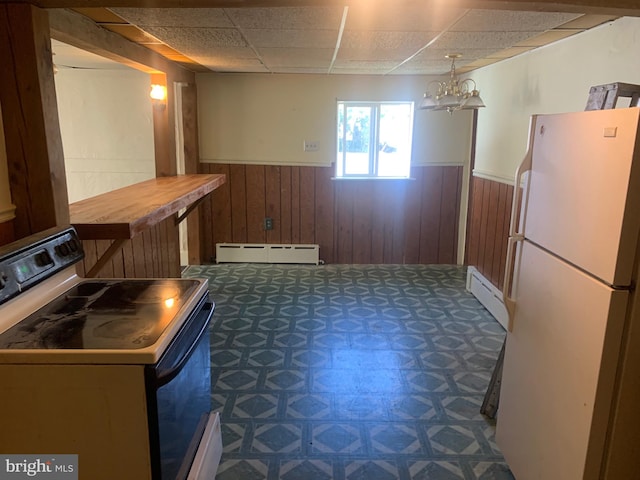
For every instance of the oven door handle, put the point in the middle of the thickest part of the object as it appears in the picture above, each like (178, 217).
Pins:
(164, 374)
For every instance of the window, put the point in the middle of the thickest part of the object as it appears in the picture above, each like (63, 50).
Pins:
(374, 139)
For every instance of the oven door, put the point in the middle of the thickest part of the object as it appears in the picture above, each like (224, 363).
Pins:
(179, 396)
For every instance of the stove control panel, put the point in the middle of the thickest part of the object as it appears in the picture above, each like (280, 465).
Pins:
(31, 260)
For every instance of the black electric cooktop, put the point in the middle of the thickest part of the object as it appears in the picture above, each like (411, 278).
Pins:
(103, 314)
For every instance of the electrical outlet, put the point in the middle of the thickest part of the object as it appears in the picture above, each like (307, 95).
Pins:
(311, 145)
(268, 223)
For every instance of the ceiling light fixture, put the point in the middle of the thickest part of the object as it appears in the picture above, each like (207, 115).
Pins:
(453, 94)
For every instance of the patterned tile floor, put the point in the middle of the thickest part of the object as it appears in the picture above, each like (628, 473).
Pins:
(368, 372)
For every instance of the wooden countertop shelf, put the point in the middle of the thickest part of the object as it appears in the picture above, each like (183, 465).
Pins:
(128, 211)
(122, 214)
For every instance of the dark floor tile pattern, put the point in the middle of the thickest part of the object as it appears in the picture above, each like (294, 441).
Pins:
(351, 372)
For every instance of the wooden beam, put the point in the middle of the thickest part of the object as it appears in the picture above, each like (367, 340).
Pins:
(617, 7)
(79, 31)
(31, 127)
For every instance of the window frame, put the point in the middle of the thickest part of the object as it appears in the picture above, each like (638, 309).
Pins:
(374, 139)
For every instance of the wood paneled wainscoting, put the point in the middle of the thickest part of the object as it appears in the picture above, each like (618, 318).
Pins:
(152, 254)
(353, 221)
(488, 228)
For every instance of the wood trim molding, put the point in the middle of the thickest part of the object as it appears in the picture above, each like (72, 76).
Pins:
(7, 213)
(493, 176)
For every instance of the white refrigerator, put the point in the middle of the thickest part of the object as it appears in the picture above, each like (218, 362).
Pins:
(570, 391)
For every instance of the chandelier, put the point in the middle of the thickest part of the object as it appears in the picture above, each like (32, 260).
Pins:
(453, 94)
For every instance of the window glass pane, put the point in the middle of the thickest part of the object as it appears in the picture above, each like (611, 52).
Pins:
(358, 135)
(374, 139)
(394, 146)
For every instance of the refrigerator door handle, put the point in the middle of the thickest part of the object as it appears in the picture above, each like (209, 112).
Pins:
(516, 232)
(518, 188)
(508, 299)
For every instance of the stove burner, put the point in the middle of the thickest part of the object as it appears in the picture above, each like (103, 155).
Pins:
(110, 314)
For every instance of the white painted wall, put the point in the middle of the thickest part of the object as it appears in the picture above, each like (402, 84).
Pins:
(552, 79)
(107, 129)
(7, 209)
(264, 119)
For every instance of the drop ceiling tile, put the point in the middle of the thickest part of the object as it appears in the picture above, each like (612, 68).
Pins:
(430, 54)
(296, 57)
(380, 40)
(319, 18)
(286, 38)
(187, 39)
(176, 17)
(547, 38)
(359, 65)
(358, 71)
(229, 53)
(301, 70)
(407, 19)
(511, 20)
(371, 55)
(510, 52)
(457, 41)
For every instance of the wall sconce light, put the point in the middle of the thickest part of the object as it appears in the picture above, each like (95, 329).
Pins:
(158, 94)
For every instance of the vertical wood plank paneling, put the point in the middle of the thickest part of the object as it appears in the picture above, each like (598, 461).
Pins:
(129, 265)
(307, 205)
(490, 214)
(411, 221)
(219, 223)
(256, 203)
(174, 247)
(393, 252)
(362, 221)
(449, 215)
(296, 207)
(344, 222)
(324, 208)
(412, 215)
(484, 217)
(273, 204)
(492, 220)
(380, 225)
(505, 233)
(500, 240)
(238, 204)
(473, 232)
(285, 205)
(6, 232)
(430, 215)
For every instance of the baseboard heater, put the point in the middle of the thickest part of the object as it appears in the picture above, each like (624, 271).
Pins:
(488, 295)
(267, 253)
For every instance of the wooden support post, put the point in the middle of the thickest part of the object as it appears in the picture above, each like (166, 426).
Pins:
(191, 164)
(35, 159)
(164, 135)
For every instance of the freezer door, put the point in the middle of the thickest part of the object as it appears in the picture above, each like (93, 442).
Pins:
(584, 190)
(559, 369)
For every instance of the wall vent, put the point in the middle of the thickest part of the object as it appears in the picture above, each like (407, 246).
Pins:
(267, 253)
